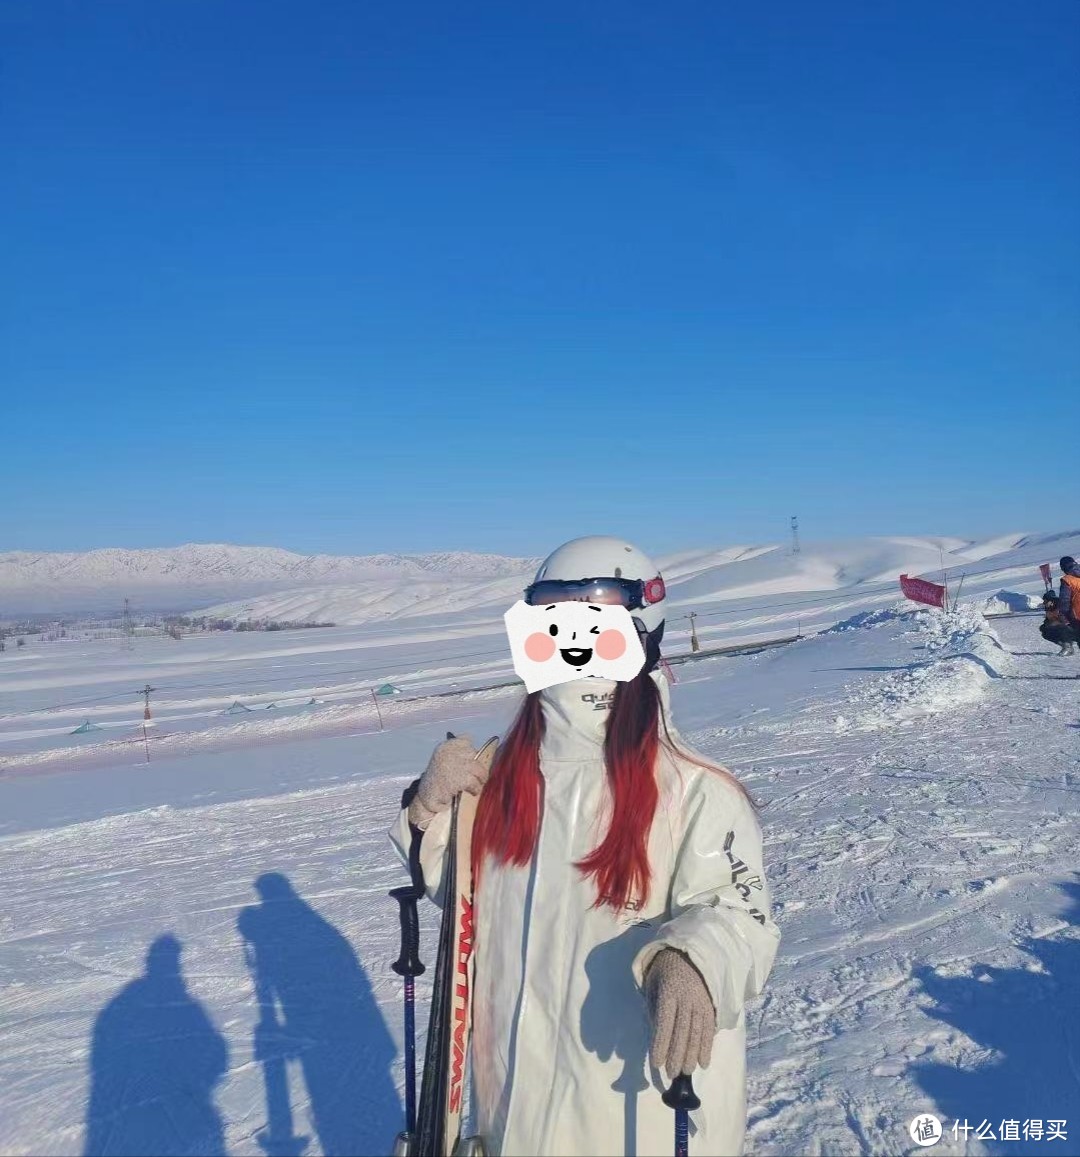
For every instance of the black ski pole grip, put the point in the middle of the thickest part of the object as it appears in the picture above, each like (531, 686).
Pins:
(681, 1095)
(408, 963)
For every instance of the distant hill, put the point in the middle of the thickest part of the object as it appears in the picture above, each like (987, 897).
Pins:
(178, 578)
(268, 583)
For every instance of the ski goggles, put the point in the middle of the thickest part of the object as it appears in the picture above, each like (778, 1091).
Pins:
(630, 593)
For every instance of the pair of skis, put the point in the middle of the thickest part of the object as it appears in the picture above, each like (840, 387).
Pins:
(433, 1128)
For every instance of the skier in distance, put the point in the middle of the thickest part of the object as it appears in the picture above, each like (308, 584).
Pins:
(621, 910)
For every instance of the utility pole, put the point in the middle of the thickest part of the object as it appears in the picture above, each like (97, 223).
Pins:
(694, 644)
(794, 534)
(145, 693)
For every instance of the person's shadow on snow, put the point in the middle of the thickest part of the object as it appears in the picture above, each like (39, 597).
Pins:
(155, 1061)
(614, 1022)
(1029, 1017)
(316, 1006)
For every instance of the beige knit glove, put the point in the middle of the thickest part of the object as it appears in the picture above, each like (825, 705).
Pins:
(681, 1014)
(455, 766)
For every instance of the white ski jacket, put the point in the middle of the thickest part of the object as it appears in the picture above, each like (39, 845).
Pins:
(560, 1030)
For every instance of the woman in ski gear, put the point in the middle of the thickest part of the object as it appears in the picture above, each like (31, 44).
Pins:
(621, 912)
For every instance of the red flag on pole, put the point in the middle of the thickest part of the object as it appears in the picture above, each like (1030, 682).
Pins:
(922, 591)
(1044, 570)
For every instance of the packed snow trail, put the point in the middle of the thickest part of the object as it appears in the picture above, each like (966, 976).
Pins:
(920, 790)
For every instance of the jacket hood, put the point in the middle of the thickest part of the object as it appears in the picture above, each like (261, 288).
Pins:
(576, 715)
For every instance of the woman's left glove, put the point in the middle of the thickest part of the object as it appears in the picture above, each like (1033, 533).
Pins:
(455, 766)
(681, 1014)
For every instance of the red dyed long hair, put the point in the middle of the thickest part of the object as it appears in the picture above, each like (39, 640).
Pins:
(508, 814)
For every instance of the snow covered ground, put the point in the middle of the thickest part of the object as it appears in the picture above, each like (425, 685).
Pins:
(918, 775)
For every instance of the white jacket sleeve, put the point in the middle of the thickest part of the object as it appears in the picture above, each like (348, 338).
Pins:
(719, 901)
(433, 845)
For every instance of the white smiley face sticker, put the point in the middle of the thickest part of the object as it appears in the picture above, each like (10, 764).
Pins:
(572, 640)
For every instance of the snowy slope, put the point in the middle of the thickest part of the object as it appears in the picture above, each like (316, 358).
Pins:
(371, 601)
(695, 579)
(918, 775)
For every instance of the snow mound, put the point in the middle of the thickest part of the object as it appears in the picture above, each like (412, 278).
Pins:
(960, 630)
(963, 655)
(868, 620)
(1006, 602)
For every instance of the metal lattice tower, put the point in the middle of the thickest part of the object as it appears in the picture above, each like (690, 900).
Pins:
(794, 534)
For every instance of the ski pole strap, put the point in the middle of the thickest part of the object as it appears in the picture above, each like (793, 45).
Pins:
(409, 794)
(416, 873)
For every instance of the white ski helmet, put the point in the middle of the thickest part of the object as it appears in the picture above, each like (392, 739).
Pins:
(607, 570)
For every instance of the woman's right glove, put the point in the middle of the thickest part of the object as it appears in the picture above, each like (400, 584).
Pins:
(681, 1014)
(454, 767)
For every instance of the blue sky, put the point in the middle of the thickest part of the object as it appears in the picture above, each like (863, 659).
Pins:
(363, 277)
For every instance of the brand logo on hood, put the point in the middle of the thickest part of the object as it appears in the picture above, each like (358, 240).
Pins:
(600, 702)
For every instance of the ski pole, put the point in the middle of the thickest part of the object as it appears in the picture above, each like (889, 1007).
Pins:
(682, 1098)
(408, 966)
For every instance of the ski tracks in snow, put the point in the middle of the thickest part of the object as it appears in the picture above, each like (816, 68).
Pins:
(922, 861)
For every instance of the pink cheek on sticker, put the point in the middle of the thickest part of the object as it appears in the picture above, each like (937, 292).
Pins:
(539, 647)
(611, 645)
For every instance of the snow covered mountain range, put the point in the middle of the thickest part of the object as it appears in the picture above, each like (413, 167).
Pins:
(176, 578)
(271, 583)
